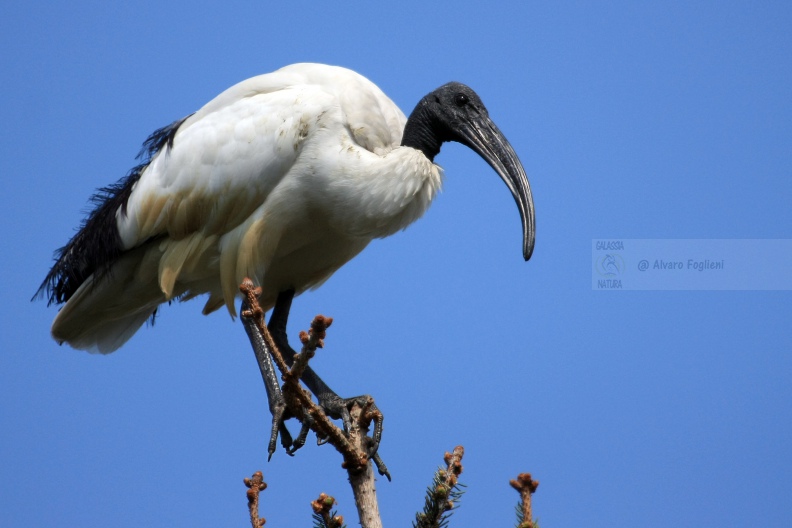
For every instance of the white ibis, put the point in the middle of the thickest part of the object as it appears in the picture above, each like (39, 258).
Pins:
(282, 178)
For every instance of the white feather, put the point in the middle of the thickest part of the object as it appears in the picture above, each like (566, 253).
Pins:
(282, 178)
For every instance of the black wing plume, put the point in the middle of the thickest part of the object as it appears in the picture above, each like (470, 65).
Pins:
(97, 243)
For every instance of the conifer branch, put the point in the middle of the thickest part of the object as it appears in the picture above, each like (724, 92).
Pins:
(323, 514)
(443, 495)
(526, 487)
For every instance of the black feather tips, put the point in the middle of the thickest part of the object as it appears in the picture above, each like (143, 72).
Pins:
(97, 243)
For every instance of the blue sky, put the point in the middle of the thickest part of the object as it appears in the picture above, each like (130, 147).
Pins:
(632, 408)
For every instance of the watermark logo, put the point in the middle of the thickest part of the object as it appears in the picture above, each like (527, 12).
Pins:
(610, 265)
(695, 264)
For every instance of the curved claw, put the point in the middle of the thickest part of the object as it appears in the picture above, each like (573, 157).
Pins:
(382, 469)
(278, 426)
(373, 413)
(338, 408)
(301, 438)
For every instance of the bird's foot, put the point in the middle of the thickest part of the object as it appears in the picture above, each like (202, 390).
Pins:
(334, 407)
(279, 416)
(338, 408)
(298, 442)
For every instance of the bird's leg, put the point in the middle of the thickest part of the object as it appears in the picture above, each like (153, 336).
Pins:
(277, 404)
(334, 406)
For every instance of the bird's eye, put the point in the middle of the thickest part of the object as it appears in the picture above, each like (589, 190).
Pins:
(461, 99)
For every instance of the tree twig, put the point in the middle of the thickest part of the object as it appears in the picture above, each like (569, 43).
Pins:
(354, 448)
(324, 516)
(255, 485)
(444, 493)
(297, 399)
(252, 293)
(362, 479)
(526, 487)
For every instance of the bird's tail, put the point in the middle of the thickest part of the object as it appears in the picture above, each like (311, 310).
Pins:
(106, 311)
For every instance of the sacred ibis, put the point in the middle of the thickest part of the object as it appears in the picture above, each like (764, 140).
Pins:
(282, 178)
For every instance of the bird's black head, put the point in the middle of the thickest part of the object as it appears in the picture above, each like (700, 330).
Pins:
(454, 112)
(439, 117)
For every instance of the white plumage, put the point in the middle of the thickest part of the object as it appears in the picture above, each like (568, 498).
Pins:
(283, 178)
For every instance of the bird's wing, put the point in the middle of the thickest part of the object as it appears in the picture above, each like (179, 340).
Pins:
(222, 164)
(198, 203)
(210, 185)
(225, 159)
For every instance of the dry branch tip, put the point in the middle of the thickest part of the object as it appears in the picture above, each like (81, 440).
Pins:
(526, 486)
(255, 485)
(323, 513)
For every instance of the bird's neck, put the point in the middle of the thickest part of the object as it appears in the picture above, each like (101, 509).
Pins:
(422, 131)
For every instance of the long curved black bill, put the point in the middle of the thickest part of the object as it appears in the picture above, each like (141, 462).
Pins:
(484, 137)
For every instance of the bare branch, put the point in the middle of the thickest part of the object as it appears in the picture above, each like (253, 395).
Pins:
(255, 485)
(311, 341)
(362, 478)
(297, 399)
(354, 447)
(256, 313)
